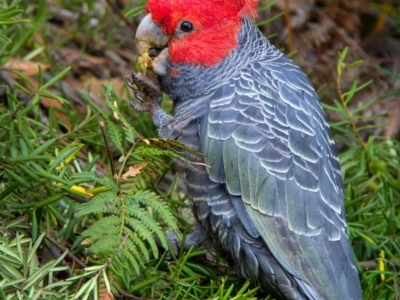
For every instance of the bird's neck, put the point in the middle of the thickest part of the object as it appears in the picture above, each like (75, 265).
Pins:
(194, 81)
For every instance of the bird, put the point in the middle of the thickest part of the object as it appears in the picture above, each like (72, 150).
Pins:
(266, 191)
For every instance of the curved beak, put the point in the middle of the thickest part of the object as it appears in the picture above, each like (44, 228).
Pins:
(152, 42)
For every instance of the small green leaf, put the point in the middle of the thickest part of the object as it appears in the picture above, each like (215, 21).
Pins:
(40, 83)
(22, 88)
(43, 147)
(52, 96)
(18, 178)
(25, 79)
(56, 78)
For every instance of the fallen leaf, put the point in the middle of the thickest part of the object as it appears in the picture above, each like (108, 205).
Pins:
(104, 294)
(28, 68)
(133, 171)
(97, 86)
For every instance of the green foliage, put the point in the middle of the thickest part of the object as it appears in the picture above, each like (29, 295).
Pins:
(111, 224)
(81, 212)
(15, 31)
(372, 193)
(129, 228)
(22, 276)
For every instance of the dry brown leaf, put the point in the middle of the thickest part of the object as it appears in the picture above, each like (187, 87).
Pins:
(47, 102)
(96, 86)
(198, 164)
(133, 171)
(86, 242)
(28, 68)
(73, 82)
(104, 294)
(393, 126)
(71, 55)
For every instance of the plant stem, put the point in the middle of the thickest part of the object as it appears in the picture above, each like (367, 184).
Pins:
(346, 109)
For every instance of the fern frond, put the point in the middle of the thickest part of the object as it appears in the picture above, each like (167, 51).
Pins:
(151, 199)
(104, 203)
(114, 133)
(134, 241)
(130, 131)
(135, 211)
(130, 258)
(108, 182)
(90, 177)
(127, 236)
(156, 149)
(105, 235)
(143, 232)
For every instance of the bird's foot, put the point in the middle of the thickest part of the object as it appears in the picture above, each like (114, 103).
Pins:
(174, 242)
(193, 240)
(147, 91)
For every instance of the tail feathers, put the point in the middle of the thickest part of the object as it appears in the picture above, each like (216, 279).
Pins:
(253, 260)
(308, 290)
(272, 277)
(256, 262)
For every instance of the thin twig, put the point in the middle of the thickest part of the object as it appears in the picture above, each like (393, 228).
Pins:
(129, 295)
(9, 81)
(346, 109)
(77, 198)
(81, 38)
(69, 253)
(103, 133)
(121, 15)
(289, 36)
(126, 159)
(373, 264)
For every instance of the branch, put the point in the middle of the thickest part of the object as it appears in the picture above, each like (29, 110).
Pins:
(289, 36)
(373, 264)
(69, 253)
(121, 15)
(346, 109)
(110, 156)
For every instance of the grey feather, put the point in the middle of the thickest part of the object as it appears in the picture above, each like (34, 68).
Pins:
(271, 201)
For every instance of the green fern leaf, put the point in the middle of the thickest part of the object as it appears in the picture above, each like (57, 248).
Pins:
(139, 243)
(144, 233)
(151, 199)
(104, 203)
(105, 235)
(147, 221)
(115, 136)
(130, 131)
(129, 257)
(108, 182)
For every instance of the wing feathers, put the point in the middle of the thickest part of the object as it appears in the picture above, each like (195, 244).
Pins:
(230, 158)
(272, 142)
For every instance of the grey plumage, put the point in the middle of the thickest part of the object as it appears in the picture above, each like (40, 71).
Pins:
(272, 200)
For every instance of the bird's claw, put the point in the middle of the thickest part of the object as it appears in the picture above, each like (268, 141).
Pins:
(174, 242)
(146, 90)
(191, 241)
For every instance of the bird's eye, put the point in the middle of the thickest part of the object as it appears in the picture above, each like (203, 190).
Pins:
(186, 26)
